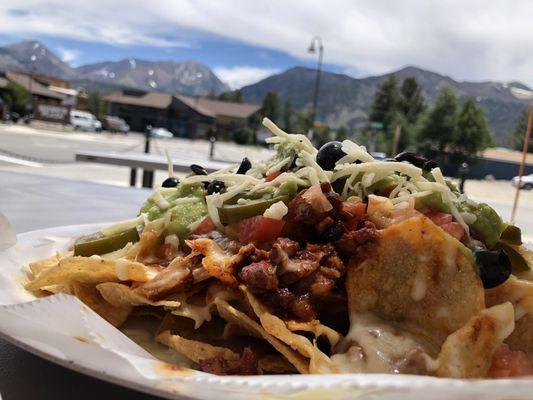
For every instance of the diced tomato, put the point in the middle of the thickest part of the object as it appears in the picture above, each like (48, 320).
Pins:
(439, 218)
(455, 229)
(445, 221)
(355, 211)
(259, 229)
(507, 363)
(272, 176)
(205, 226)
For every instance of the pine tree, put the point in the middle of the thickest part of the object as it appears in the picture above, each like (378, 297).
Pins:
(385, 102)
(341, 134)
(270, 108)
(96, 105)
(438, 125)
(472, 133)
(520, 132)
(411, 103)
(17, 97)
(288, 112)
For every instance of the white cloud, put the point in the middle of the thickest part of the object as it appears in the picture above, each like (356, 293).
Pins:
(242, 75)
(68, 55)
(475, 39)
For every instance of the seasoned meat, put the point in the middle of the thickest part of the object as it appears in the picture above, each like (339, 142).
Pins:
(174, 277)
(350, 241)
(259, 277)
(303, 309)
(246, 365)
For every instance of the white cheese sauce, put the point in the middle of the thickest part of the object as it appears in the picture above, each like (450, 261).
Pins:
(375, 346)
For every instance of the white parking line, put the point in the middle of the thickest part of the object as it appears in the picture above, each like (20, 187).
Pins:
(18, 161)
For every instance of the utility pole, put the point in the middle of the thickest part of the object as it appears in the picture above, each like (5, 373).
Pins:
(313, 49)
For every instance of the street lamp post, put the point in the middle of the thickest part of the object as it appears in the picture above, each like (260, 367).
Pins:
(30, 81)
(524, 95)
(316, 41)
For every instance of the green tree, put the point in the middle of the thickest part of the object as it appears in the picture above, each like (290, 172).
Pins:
(341, 134)
(385, 102)
(472, 133)
(270, 108)
(211, 95)
(407, 131)
(288, 112)
(411, 103)
(96, 104)
(517, 137)
(438, 125)
(302, 121)
(17, 97)
(233, 97)
(244, 135)
(321, 135)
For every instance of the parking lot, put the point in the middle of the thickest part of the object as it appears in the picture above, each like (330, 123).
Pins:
(52, 152)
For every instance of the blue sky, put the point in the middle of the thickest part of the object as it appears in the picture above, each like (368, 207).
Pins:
(245, 40)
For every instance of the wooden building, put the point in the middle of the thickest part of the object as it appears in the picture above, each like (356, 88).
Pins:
(184, 116)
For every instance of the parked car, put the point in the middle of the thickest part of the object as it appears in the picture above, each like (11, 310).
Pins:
(115, 124)
(525, 183)
(161, 133)
(84, 121)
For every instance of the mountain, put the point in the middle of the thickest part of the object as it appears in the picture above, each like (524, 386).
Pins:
(33, 55)
(344, 100)
(188, 77)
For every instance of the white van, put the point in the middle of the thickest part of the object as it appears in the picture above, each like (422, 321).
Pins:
(84, 121)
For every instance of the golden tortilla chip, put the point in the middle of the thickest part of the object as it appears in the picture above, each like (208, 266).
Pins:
(89, 270)
(418, 275)
(115, 315)
(194, 350)
(237, 317)
(120, 295)
(317, 329)
(319, 362)
(468, 352)
(520, 293)
(39, 266)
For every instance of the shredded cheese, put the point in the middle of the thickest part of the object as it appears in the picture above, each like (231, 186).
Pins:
(122, 226)
(276, 211)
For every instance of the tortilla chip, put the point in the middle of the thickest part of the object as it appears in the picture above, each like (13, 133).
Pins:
(237, 317)
(89, 270)
(317, 329)
(121, 295)
(194, 350)
(520, 293)
(417, 275)
(39, 266)
(468, 352)
(115, 315)
(319, 362)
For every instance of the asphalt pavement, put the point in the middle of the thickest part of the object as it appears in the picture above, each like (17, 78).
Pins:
(52, 153)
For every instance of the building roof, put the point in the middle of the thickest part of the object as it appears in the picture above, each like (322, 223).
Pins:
(146, 99)
(217, 108)
(36, 88)
(206, 107)
(503, 154)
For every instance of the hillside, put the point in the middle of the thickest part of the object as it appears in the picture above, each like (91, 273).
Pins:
(344, 100)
